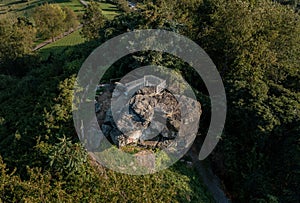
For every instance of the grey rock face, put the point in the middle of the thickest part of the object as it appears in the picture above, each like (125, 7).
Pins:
(153, 119)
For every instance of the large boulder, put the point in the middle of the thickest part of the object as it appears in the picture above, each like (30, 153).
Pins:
(153, 119)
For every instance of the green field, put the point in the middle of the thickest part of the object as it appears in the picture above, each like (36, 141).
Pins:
(109, 10)
(71, 40)
(21, 7)
(75, 5)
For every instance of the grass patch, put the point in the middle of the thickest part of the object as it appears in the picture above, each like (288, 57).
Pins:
(71, 40)
(23, 8)
(109, 10)
(75, 5)
(176, 184)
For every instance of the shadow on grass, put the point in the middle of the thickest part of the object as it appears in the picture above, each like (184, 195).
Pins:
(27, 8)
(111, 9)
(15, 2)
(50, 54)
(47, 53)
(78, 10)
(59, 1)
(77, 6)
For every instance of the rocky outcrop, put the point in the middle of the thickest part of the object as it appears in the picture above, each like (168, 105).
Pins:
(150, 120)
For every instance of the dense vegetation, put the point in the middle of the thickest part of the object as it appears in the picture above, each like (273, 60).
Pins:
(255, 45)
(257, 52)
(42, 160)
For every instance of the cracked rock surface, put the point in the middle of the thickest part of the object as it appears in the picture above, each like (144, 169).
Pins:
(151, 119)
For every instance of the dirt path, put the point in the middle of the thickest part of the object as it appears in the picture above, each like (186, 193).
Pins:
(49, 41)
(210, 180)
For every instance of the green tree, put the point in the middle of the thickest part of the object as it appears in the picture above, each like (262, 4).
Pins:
(70, 21)
(255, 45)
(123, 5)
(49, 20)
(17, 36)
(93, 20)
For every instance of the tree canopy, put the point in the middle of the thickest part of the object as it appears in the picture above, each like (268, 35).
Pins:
(255, 45)
(16, 40)
(92, 20)
(52, 20)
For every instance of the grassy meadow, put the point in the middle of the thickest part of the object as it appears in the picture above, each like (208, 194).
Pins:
(58, 46)
(25, 8)
(109, 10)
